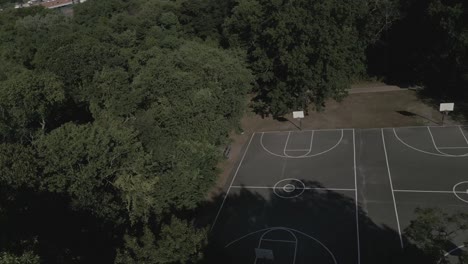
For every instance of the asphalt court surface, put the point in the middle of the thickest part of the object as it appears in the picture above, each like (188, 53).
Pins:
(339, 196)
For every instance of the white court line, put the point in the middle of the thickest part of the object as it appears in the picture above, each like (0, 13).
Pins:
(425, 152)
(300, 149)
(306, 188)
(450, 252)
(230, 185)
(278, 240)
(345, 128)
(356, 200)
(316, 130)
(391, 186)
(286, 144)
(453, 147)
(463, 134)
(304, 155)
(433, 142)
(428, 191)
(300, 157)
(289, 231)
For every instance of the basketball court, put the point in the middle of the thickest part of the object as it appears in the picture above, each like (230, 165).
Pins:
(339, 196)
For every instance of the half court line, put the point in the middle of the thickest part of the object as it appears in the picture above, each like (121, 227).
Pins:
(428, 191)
(230, 185)
(356, 200)
(391, 186)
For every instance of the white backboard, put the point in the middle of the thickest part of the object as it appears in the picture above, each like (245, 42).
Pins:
(446, 107)
(298, 114)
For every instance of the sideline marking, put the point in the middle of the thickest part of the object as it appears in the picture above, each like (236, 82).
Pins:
(426, 152)
(453, 147)
(356, 201)
(463, 134)
(391, 186)
(297, 188)
(230, 185)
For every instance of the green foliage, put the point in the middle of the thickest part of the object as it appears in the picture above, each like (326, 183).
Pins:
(29, 100)
(25, 258)
(204, 18)
(194, 85)
(433, 232)
(83, 161)
(300, 51)
(429, 47)
(178, 242)
(18, 166)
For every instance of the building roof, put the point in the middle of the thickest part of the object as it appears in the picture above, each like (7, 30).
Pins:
(56, 3)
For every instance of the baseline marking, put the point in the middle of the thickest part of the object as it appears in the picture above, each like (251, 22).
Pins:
(349, 129)
(306, 188)
(463, 134)
(230, 185)
(391, 186)
(356, 200)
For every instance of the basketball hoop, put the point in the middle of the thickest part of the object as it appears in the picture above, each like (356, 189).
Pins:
(445, 108)
(299, 115)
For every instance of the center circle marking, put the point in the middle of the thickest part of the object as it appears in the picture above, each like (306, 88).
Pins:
(459, 194)
(289, 188)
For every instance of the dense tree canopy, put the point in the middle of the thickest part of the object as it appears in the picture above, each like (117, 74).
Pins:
(112, 120)
(118, 113)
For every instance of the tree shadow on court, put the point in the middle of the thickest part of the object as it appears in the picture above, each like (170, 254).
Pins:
(315, 215)
(412, 114)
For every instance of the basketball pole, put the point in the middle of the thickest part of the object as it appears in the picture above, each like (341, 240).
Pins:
(444, 113)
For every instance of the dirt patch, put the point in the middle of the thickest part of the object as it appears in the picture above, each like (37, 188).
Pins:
(363, 110)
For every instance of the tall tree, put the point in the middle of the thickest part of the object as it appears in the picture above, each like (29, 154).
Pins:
(29, 101)
(84, 161)
(300, 51)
